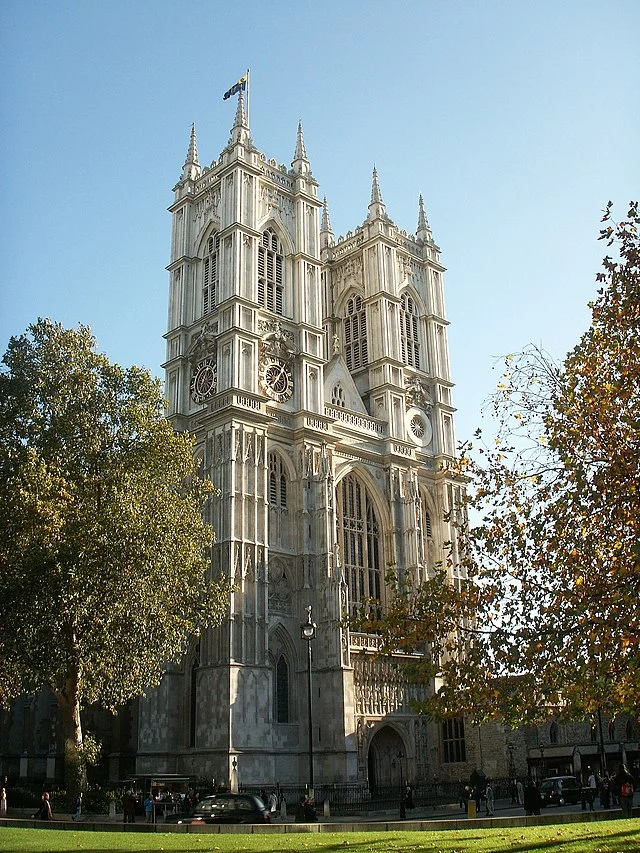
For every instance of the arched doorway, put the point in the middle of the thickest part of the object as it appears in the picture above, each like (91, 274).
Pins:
(386, 760)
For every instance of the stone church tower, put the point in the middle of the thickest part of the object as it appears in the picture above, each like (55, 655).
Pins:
(314, 374)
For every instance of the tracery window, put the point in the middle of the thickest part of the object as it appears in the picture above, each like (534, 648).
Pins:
(454, 748)
(409, 331)
(270, 272)
(210, 268)
(355, 334)
(277, 481)
(193, 696)
(282, 690)
(359, 535)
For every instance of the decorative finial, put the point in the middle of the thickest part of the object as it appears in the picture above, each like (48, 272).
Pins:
(326, 232)
(191, 168)
(300, 164)
(377, 210)
(424, 231)
(240, 131)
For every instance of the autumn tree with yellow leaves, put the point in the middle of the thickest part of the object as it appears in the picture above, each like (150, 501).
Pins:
(548, 619)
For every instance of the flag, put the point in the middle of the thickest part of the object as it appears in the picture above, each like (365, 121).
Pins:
(240, 85)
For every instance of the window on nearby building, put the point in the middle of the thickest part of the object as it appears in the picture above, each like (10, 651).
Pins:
(210, 274)
(409, 331)
(337, 396)
(629, 730)
(553, 733)
(355, 334)
(454, 748)
(193, 696)
(270, 272)
(612, 729)
(282, 690)
(593, 733)
(359, 536)
(277, 481)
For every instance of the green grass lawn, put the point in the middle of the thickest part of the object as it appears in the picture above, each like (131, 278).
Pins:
(611, 836)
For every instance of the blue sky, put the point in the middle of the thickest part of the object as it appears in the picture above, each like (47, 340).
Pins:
(517, 121)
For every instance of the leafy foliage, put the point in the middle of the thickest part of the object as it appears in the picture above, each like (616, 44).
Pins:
(103, 549)
(553, 562)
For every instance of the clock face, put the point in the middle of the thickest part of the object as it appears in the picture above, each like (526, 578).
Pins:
(204, 381)
(277, 380)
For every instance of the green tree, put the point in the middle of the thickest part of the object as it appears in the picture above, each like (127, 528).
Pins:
(104, 566)
(548, 618)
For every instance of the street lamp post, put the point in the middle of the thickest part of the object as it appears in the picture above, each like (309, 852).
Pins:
(308, 631)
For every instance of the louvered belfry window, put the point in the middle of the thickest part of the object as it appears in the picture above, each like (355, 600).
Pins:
(270, 272)
(409, 332)
(210, 275)
(277, 482)
(355, 334)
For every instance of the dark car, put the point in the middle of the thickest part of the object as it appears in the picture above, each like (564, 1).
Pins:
(225, 808)
(558, 790)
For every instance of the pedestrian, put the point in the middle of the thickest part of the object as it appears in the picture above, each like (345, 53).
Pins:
(44, 812)
(273, 804)
(532, 800)
(490, 800)
(77, 806)
(129, 806)
(520, 789)
(592, 784)
(3, 802)
(478, 798)
(624, 785)
(408, 797)
(148, 808)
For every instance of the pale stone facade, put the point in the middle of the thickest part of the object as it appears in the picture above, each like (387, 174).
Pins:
(314, 375)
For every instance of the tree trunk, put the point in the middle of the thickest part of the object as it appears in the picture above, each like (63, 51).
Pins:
(75, 770)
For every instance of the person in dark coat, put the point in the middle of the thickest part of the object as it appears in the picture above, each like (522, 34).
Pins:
(44, 812)
(624, 786)
(532, 799)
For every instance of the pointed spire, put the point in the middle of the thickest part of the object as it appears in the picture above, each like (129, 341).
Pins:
(377, 210)
(424, 231)
(191, 168)
(300, 163)
(240, 130)
(326, 233)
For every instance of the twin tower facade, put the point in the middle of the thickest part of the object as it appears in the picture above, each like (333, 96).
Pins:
(314, 374)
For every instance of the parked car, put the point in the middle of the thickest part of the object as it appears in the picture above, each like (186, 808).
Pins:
(558, 790)
(225, 808)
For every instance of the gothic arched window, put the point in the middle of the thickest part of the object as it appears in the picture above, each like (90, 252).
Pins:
(553, 732)
(337, 396)
(359, 535)
(409, 331)
(210, 275)
(282, 690)
(355, 334)
(612, 729)
(270, 272)
(277, 482)
(453, 742)
(193, 696)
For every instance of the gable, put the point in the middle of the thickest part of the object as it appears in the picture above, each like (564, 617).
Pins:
(336, 375)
